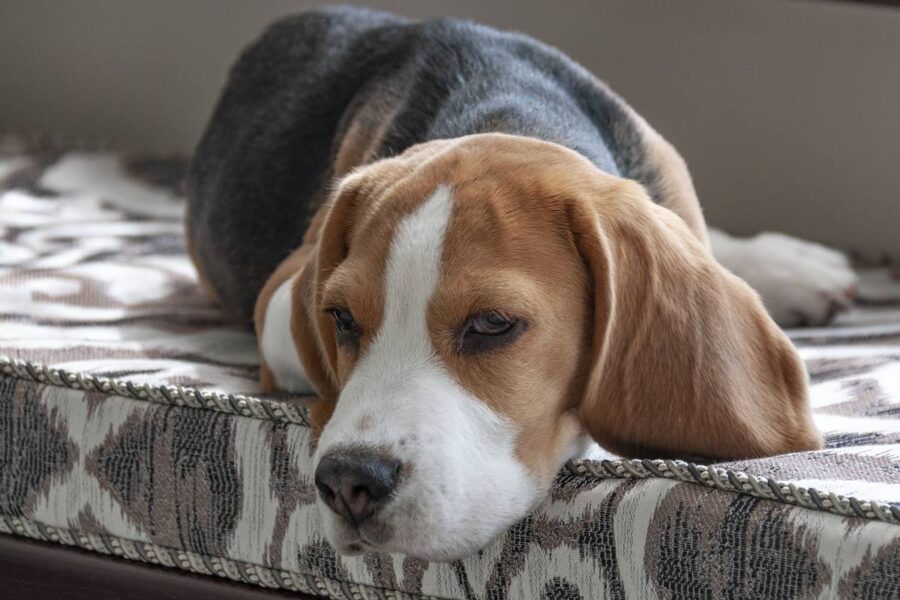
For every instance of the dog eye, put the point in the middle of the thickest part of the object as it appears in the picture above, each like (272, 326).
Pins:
(488, 331)
(490, 324)
(344, 321)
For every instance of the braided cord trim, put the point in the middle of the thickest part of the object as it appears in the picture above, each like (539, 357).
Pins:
(202, 564)
(737, 482)
(678, 470)
(177, 395)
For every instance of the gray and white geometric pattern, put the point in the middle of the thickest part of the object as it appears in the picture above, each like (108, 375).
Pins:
(129, 450)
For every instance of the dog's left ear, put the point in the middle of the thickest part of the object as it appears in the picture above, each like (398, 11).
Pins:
(686, 361)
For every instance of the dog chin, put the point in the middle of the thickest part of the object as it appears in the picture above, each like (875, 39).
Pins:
(348, 543)
(378, 535)
(430, 554)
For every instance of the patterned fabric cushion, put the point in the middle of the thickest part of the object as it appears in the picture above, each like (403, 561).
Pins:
(131, 424)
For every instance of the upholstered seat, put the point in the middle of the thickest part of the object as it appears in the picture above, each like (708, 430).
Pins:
(131, 424)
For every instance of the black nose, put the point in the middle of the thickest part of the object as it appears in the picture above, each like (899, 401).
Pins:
(356, 482)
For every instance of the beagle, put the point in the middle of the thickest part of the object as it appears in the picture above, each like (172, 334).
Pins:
(480, 260)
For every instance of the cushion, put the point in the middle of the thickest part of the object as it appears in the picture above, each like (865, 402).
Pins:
(131, 423)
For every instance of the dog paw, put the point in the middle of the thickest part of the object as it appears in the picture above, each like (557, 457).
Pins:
(801, 283)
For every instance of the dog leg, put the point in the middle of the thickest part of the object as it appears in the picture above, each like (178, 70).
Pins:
(801, 283)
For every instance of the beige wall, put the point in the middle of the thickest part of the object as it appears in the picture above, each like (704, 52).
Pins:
(787, 111)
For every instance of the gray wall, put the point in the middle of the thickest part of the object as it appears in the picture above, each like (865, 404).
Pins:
(788, 112)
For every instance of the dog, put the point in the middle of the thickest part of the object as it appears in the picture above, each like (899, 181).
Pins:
(481, 260)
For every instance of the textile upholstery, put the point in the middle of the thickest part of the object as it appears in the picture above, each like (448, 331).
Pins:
(131, 423)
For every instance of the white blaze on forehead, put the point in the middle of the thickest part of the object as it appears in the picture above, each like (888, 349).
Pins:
(465, 483)
(401, 350)
(277, 345)
(413, 273)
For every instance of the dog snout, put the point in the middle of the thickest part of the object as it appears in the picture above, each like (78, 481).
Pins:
(356, 483)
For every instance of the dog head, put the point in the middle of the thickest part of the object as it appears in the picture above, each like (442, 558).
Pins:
(473, 311)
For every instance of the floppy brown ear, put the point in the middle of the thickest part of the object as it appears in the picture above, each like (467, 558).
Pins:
(686, 360)
(323, 248)
(329, 239)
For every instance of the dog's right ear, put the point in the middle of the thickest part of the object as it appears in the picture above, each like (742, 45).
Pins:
(312, 326)
(311, 329)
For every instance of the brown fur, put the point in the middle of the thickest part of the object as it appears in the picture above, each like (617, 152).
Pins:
(686, 360)
(675, 185)
(364, 136)
(635, 332)
(305, 337)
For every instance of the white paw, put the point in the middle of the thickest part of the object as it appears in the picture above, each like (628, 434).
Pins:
(801, 283)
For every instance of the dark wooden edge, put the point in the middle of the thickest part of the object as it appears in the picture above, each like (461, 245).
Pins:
(31, 570)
